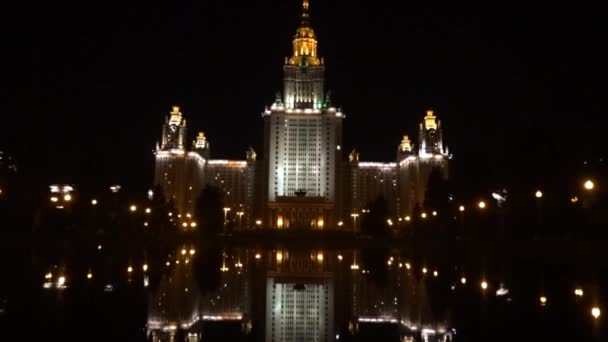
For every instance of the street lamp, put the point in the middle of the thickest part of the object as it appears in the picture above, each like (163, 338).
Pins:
(596, 312)
(226, 210)
(240, 215)
(354, 216)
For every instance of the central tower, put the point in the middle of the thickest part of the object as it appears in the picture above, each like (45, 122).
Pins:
(302, 138)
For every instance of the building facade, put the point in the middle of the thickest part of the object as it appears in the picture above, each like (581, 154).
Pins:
(303, 181)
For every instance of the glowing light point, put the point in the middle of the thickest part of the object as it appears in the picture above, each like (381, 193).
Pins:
(538, 194)
(481, 205)
(484, 285)
(463, 280)
(93, 202)
(435, 274)
(89, 275)
(461, 208)
(578, 292)
(144, 267)
(61, 281)
(184, 251)
(148, 210)
(133, 208)
(258, 256)
(596, 312)
(543, 300)
(589, 185)
(67, 197)
(129, 269)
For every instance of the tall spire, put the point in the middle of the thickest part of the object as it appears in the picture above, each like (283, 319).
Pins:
(305, 42)
(305, 14)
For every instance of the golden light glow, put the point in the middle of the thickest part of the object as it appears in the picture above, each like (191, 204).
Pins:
(461, 208)
(407, 218)
(543, 300)
(423, 215)
(538, 194)
(481, 205)
(61, 281)
(389, 222)
(340, 224)
(320, 223)
(596, 312)
(589, 185)
(98, 247)
(279, 257)
(54, 199)
(133, 208)
(148, 210)
(89, 275)
(168, 263)
(430, 120)
(193, 224)
(319, 256)
(144, 267)
(424, 270)
(434, 213)
(578, 292)
(304, 42)
(463, 280)
(484, 285)
(406, 144)
(67, 197)
(258, 255)
(184, 251)
(48, 275)
(407, 265)
(280, 222)
(129, 269)
(192, 251)
(185, 224)
(340, 257)
(258, 222)
(574, 199)
(94, 201)
(435, 274)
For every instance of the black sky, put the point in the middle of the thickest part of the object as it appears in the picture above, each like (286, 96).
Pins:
(89, 84)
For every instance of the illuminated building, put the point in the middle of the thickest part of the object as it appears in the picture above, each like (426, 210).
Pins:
(299, 299)
(303, 181)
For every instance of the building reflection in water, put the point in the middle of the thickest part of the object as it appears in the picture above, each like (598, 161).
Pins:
(290, 295)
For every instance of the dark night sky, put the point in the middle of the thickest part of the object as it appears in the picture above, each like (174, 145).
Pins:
(88, 85)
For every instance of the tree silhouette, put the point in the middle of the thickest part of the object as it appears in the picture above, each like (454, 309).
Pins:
(374, 222)
(437, 191)
(208, 211)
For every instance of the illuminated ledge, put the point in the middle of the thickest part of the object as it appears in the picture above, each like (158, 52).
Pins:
(227, 163)
(174, 151)
(378, 165)
(378, 320)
